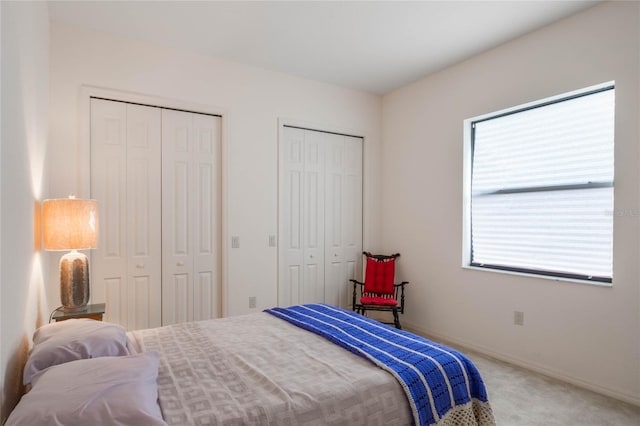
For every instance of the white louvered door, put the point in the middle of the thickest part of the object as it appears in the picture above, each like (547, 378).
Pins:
(125, 169)
(190, 267)
(320, 216)
(155, 174)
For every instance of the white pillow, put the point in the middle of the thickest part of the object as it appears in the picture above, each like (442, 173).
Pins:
(100, 391)
(72, 340)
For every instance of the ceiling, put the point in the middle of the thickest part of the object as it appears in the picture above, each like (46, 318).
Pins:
(370, 46)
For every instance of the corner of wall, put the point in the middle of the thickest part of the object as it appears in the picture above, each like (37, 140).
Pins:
(25, 87)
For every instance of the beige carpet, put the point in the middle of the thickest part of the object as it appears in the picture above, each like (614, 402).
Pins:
(520, 397)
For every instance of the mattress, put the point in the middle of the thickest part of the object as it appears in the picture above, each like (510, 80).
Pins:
(258, 369)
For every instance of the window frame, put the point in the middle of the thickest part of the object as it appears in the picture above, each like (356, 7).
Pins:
(469, 139)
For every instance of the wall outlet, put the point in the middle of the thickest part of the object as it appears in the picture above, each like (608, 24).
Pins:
(252, 302)
(235, 242)
(272, 240)
(518, 318)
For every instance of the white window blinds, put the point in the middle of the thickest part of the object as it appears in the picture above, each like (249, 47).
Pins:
(542, 188)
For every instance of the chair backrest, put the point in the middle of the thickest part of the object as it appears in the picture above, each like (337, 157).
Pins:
(379, 274)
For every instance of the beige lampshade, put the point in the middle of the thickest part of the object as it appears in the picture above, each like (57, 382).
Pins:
(70, 224)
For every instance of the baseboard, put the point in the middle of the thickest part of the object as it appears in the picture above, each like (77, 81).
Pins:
(631, 399)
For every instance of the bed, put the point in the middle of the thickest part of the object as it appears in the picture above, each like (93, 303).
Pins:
(302, 365)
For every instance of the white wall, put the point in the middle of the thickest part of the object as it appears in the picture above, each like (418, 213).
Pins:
(252, 101)
(25, 90)
(584, 333)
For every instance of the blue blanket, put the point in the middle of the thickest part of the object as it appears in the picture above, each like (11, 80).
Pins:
(434, 377)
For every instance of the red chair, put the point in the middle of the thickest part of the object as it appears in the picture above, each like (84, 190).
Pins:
(378, 292)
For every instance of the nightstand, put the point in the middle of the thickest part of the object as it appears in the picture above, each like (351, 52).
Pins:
(95, 312)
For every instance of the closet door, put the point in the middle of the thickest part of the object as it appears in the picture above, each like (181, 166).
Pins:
(302, 217)
(207, 166)
(313, 197)
(320, 216)
(343, 224)
(290, 217)
(190, 214)
(125, 172)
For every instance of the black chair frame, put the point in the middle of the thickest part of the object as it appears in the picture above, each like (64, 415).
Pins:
(398, 291)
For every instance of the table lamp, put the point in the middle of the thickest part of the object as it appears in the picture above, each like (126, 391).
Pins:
(71, 224)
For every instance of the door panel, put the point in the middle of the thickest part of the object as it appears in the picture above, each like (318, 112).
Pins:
(334, 282)
(320, 216)
(143, 217)
(156, 176)
(290, 218)
(190, 212)
(177, 299)
(125, 165)
(112, 290)
(143, 292)
(108, 187)
(351, 215)
(113, 224)
(203, 307)
(206, 210)
(177, 228)
(313, 216)
(292, 285)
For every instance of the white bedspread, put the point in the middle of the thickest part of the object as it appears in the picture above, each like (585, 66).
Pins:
(259, 370)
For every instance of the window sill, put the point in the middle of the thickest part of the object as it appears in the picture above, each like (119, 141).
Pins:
(544, 277)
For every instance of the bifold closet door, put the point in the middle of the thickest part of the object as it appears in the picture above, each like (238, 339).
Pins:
(190, 216)
(125, 175)
(343, 212)
(320, 216)
(301, 230)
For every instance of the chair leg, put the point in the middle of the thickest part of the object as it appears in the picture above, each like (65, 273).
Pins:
(396, 319)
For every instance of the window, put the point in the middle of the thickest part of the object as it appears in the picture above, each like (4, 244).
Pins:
(539, 187)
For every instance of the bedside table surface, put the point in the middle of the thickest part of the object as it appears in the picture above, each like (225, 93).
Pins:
(91, 311)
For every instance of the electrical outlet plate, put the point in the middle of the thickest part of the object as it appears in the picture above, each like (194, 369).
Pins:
(235, 242)
(518, 317)
(252, 302)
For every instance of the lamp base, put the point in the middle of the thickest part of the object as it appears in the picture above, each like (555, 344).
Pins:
(74, 281)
